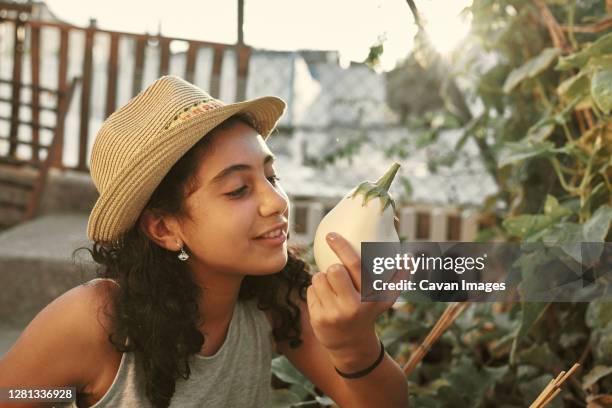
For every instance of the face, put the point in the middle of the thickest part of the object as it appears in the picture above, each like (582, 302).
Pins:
(231, 208)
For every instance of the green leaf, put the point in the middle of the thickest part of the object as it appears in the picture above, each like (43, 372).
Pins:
(598, 314)
(585, 103)
(565, 115)
(567, 236)
(602, 46)
(576, 60)
(539, 355)
(598, 63)
(526, 224)
(601, 89)
(490, 87)
(516, 77)
(598, 372)
(325, 401)
(426, 402)
(532, 313)
(570, 340)
(284, 370)
(511, 152)
(554, 209)
(575, 86)
(531, 68)
(399, 329)
(526, 372)
(543, 61)
(541, 130)
(430, 388)
(596, 228)
(283, 398)
(601, 338)
(468, 384)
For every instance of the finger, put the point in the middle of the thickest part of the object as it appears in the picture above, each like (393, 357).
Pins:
(340, 280)
(390, 296)
(399, 275)
(348, 255)
(312, 300)
(325, 293)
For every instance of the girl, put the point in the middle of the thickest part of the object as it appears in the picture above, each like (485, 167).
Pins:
(197, 286)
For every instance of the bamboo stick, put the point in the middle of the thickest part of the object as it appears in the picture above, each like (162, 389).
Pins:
(446, 319)
(553, 388)
(551, 397)
(549, 387)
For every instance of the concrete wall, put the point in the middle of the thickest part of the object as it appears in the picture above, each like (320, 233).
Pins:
(68, 191)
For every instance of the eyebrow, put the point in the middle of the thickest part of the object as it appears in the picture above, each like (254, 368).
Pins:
(238, 167)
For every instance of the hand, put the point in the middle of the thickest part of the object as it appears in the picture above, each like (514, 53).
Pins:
(340, 321)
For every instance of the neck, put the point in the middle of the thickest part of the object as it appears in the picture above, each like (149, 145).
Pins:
(219, 296)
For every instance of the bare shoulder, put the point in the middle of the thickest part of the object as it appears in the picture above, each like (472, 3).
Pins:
(63, 344)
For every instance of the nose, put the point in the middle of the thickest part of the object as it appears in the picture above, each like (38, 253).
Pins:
(274, 200)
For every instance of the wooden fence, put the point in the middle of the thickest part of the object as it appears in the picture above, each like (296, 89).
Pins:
(416, 223)
(26, 35)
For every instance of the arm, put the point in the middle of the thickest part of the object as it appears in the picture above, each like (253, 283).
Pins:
(384, 386)
(59, 348)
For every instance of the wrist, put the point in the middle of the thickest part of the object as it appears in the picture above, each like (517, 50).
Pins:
(357, 356)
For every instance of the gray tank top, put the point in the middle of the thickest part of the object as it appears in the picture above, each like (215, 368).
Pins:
(237, 375)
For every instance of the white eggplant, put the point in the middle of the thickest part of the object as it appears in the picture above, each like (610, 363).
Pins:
(365, 214)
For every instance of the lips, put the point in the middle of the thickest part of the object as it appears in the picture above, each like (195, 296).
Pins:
(275, 242)
(281, 226)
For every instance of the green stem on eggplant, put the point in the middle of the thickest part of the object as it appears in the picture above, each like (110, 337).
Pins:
(378, 189)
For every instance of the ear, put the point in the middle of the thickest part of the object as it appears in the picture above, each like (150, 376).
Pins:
(161, 229)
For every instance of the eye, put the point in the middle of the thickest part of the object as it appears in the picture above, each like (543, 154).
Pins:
(237, 193)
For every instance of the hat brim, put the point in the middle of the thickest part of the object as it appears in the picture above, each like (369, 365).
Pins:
(119, 206)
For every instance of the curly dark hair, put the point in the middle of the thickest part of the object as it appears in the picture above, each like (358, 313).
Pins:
(156, 306)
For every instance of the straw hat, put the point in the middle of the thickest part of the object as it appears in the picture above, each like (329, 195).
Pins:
(139, 143)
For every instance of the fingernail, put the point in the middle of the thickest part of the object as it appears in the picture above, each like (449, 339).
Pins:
(331, 237)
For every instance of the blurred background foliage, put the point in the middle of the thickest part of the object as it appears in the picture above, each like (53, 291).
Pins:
(539, 113)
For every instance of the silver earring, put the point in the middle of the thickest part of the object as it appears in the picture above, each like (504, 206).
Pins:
(183, 256)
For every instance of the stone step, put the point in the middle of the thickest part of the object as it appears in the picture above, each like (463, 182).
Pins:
(36, 264)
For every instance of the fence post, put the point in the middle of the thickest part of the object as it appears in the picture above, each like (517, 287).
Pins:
(86, 95)
(139, 56)
(35, 98)
(112, 70)
(192, 53)
(19, 39)
(408, 223)
(215, 76)
(438, 225)
(469, 225)
(62, 87)
(243, 54)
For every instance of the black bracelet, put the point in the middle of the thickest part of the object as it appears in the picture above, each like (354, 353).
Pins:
(366, 370)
